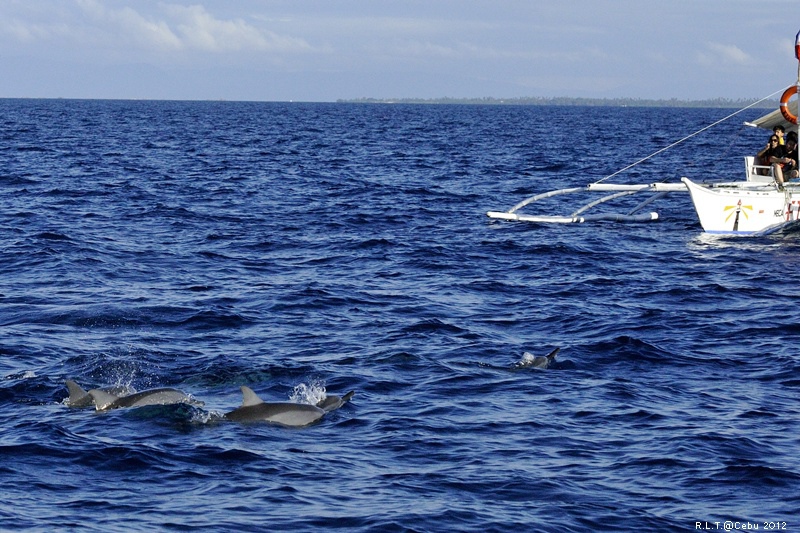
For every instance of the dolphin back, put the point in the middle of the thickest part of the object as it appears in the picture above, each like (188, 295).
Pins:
(104, 400)
(254, 409)
(282, 413)
(164, 396)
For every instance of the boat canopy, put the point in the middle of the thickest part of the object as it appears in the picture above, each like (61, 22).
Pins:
(775, 118)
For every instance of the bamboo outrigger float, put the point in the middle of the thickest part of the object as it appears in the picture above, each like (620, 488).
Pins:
(756, 206)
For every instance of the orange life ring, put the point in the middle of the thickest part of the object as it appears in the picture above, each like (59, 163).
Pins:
(788, 93)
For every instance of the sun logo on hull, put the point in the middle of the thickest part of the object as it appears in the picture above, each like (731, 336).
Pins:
(739, 210)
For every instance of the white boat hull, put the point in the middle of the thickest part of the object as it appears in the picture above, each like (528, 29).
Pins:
(744, 208)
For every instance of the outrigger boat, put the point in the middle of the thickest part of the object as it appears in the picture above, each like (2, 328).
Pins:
(756, 206)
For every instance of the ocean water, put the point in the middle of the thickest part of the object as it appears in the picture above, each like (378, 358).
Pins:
(305, 249)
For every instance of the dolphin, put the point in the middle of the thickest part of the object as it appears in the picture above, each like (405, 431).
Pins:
(536, 361)
(254, 409)
(78, 397)
(103, 401)
(333, 402)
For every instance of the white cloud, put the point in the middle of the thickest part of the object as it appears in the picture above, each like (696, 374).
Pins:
(140, 28)
(128, 26)
(200, 30)
(19, 31)
(717, 53)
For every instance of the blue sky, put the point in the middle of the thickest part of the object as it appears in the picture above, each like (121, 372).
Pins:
(324, 50)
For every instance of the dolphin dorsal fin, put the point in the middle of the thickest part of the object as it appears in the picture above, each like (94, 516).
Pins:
(249, 397)
(76, 392)
(102, 399)
(552, 355)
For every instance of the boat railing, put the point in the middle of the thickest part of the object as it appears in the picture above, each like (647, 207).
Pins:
(758, 173)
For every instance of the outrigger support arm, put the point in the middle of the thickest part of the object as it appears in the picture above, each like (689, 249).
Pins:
(602, 200)
(653, 198)
(579, 217)
(538, 197)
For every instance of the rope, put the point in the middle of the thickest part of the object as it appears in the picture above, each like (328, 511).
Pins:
(642, 160)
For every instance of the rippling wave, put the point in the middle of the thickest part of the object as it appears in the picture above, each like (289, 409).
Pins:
(311, 249)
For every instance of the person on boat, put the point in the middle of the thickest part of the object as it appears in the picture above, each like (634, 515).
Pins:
(782, 164)
(764, 156)
(790, 171)
(775, 155)
(779, 132)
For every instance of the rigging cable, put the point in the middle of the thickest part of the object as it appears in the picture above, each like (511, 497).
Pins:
(688, 136)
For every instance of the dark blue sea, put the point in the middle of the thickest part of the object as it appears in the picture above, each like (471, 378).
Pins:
(308, 249)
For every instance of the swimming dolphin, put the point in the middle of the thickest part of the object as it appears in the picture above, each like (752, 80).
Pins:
(254, 409)
(78, 397)
(537, 361)
(104, 401)
(333, 402)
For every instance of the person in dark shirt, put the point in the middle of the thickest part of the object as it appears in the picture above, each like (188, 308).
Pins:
(773, 148)
(775, 155)
(790, 170)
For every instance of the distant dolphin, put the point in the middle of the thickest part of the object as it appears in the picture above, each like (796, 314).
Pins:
(537, 361)
(78, 397)
(333, 402)
(104, 401)
(254, 409)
